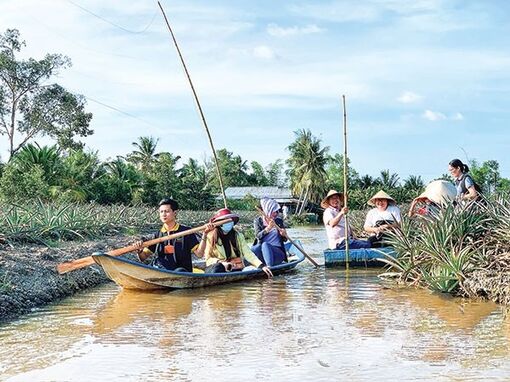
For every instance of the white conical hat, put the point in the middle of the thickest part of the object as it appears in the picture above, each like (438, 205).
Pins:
(324, 202)
(381, 195)
(439, 192)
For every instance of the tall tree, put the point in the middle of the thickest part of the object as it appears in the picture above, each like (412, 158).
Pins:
(195, 189)
(29, 106)
(275, 174)
(366, 181)
(145, 153)
(388, 180)
(307, 162)
(414, 182)
(486, 175)
(233, 170)
(258, 176)
(335, 170)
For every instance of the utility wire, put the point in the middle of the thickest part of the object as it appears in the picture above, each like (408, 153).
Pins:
(116, 109)
(111, 23)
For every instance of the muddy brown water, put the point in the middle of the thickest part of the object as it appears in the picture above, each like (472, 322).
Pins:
(311, 325)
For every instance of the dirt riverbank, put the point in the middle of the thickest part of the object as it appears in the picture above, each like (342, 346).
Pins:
(28, 276)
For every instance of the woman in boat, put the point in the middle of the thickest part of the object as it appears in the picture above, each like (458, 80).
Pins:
(466, 187)
(437, 194)
(384, 216)
(173, 254)
(226, 248)
(334, 221)
(270, 234)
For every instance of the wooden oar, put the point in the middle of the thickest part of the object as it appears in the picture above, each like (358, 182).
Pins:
(303, 252)
(86, 261)
(292, 241)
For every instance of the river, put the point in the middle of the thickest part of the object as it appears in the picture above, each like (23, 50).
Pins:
(311, 325)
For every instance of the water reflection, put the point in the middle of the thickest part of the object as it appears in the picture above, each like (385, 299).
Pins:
(128, 311)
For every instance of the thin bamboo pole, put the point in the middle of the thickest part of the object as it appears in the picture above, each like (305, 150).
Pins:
(345, 186)
(198, 106)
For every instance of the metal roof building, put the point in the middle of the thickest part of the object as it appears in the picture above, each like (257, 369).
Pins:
(280, 194)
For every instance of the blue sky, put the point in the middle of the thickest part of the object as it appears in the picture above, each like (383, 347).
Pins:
(425, 81)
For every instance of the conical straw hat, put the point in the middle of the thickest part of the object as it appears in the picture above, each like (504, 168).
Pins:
(381, 195)
(324, 202)
(440, 192)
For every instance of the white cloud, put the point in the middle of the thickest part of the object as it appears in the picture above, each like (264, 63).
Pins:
(264, 52)
(409, 97)
(278, 31)
(433, 115)
(457, 117)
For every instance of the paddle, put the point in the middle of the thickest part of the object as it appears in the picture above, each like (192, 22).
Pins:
(292, 241)
(86, 261)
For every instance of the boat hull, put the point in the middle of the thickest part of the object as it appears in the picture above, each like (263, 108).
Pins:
(367, 257)
(134, 275)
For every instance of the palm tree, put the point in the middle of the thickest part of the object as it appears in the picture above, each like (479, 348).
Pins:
(46, 157)
(123, 180)
(388, 180)
(145, 153)
(414, 182)
(366, 181)
(307, 167)
(80, 171)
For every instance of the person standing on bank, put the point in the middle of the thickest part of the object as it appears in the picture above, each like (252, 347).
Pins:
(385, 216)
(173, 254)
(270, 234)
(334, 221)
(466, 187)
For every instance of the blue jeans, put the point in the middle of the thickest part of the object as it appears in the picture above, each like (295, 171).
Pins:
(354, 244)
(269, 254)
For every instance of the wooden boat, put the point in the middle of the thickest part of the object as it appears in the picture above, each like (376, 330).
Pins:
(134, 275)
(357, 257)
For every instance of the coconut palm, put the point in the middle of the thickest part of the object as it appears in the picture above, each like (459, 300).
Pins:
(388, 180)
(145, 153)
(307, 167)
(80, 171)
(366, 181)
(47, 157)
(414, 183)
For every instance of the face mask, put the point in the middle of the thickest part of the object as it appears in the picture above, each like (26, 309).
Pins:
(227, 227)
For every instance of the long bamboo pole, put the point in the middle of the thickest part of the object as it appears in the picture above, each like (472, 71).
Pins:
(220, 178)
(345, 187)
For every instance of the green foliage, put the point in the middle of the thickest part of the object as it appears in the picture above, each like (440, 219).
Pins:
(248, 203)
(335, 173)
(487, 176)
(307, 166)
(440, 251)
(17, 184)
(29, 107)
